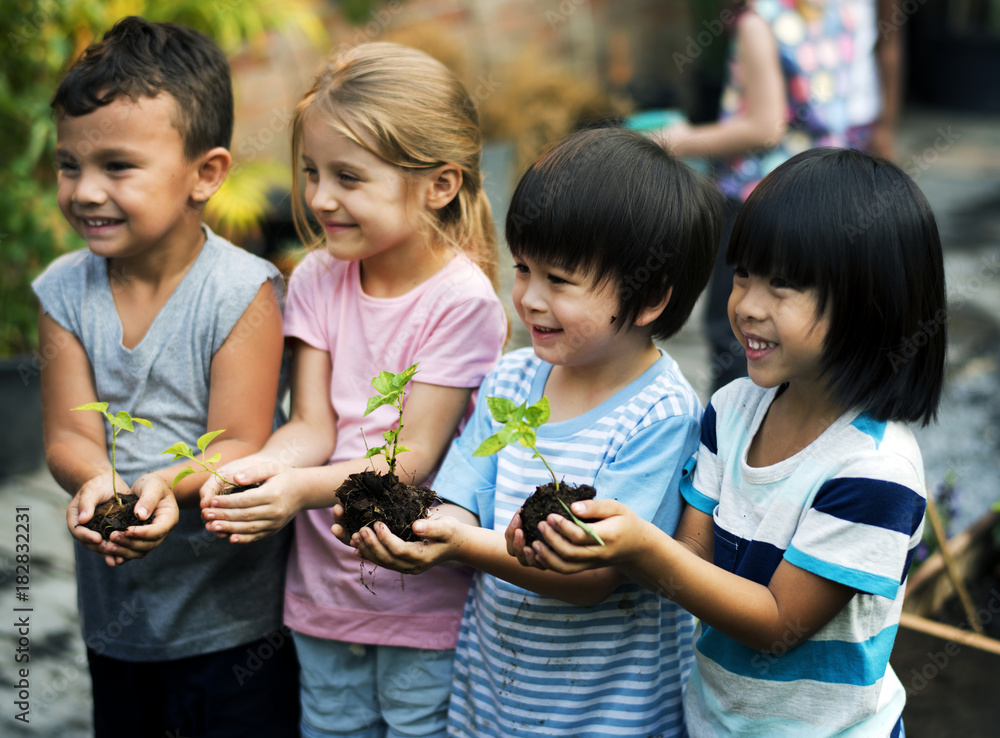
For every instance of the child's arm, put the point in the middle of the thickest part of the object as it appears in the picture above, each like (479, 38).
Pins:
(453, 534)
(788, 610)
(764, 119)
(430, 415)
(77, 455)
(243, 390)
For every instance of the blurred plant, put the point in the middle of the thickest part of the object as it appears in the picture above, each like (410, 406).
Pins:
(43, 37)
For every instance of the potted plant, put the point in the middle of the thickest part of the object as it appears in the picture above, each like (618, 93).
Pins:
(369, 496)
(519, 424)
(117, 513)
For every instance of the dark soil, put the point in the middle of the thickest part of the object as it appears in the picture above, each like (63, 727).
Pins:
(236, 489)
(110, 516)
(369, 498)
(545, 501)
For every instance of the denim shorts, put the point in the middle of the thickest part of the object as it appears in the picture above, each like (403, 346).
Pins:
(350, 690)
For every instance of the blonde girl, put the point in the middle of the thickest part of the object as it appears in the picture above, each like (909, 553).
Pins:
(387, 142)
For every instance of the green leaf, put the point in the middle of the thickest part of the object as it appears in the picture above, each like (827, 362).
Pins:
(398, 381)
(142, 421)
(185, 472)
(380, 400)
(587, 529)
(383, 382)
(101, 407)
(374, 451)
(401, 449)
(526, 438)
(214, 459)
(208, 438)
(490, 446)
(179, 449)
(538, 413)
(390, 435)
(123, 420)
(501, 408)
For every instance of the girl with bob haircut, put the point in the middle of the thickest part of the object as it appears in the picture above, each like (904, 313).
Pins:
(805, 501)
(388, 143)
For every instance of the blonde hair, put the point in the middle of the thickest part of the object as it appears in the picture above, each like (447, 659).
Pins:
(412, 112)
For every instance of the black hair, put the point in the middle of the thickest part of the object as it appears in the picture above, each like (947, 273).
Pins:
(858, 230)
(138, 58)
(612, 204)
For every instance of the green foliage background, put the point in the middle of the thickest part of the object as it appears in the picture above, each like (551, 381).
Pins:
(38, 39)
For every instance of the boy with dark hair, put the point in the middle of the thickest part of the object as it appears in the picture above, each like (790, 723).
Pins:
(612, 239)
(162, 318)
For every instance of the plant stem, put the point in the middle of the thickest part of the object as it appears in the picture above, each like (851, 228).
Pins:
(551, 473)
(114, 473)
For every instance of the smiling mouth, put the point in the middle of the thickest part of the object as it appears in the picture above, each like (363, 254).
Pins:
(100, 222)
(757, 345)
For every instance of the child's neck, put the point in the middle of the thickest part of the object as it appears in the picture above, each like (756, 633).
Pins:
(398, 271)
(796, 418)
(575, 390)
(141, 285)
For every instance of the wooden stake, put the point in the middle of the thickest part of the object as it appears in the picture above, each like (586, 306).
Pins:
(949, 564)
(949, 633)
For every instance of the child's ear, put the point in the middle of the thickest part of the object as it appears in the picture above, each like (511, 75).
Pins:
(652, 312)
(443, 184)
(213, 166)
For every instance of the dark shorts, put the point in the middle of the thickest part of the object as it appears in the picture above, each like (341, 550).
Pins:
(247, 691)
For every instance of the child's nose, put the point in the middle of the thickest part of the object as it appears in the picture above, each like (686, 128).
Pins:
(324, 199)
(89, 190)
(533, 297)
(748, 302)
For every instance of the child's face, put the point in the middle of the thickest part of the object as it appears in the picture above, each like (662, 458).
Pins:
(362, 202)
(124, 181)
(779, 327)
(568, 316)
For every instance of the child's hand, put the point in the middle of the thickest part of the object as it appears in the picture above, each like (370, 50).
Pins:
(257, 467)
(440, 536)
(567, 548)
(245, 517)
(138, 540)
(514, 535)
(155, 499)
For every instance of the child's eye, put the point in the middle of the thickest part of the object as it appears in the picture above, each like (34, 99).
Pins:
(66, 167)
(741, 272)
(781, 283)
(554, 279)
(348, 178)
(521, 268)
(310, 172)
(117, 166)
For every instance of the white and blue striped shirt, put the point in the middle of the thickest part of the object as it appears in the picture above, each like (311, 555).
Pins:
(533, 665)
(849, 507)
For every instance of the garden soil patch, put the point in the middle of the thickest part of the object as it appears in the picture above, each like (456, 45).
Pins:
(545, 501)
(110, 516)
(368, 498)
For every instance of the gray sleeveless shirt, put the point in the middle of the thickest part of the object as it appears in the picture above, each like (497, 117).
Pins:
(194, 593)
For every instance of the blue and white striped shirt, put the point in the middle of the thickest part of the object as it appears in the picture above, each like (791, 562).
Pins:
(849, 507)
(533, 665)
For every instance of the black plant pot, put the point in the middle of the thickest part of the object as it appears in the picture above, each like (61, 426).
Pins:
(21, 449)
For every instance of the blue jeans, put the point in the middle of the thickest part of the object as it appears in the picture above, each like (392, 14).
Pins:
(350, 690)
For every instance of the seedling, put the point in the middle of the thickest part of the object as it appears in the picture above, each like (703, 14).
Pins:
(391, 390)
(119, 422)
(181, 450)
(519, 424)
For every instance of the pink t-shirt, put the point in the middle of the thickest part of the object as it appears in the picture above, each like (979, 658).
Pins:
(454, 325)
